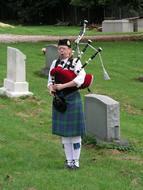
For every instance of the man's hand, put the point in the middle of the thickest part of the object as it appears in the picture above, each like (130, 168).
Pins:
(59, 86)
(65, 85)
(52, 89)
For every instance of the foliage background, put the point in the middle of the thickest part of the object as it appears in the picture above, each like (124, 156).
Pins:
(69, 12)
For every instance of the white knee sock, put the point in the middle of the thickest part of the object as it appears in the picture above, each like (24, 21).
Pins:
(76, 148)
(76, 151)
(66, 141)
(68, 152)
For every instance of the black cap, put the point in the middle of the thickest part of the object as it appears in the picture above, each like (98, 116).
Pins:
(64, 42)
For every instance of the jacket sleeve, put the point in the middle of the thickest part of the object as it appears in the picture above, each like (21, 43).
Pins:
(79, 79)
(49, 76)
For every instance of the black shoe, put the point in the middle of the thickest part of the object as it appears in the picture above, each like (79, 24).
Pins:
(74, 165)
(68, 166)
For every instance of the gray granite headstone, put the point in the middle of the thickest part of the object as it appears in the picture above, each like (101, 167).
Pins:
(51, 54)
(102, 117)
(123, 25)
(140, 25)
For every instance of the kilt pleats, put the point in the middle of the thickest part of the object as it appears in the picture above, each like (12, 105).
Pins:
(71, 122)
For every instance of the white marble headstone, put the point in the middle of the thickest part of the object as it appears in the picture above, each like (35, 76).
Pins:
(15, 84)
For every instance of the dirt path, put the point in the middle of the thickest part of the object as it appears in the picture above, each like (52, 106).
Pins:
(7, 38)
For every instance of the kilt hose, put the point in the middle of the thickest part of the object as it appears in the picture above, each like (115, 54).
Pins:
(71, 122)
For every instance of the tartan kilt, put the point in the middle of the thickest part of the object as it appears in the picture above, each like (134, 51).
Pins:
(71, 122)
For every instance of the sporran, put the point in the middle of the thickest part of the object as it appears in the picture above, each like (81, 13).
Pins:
(59, 103)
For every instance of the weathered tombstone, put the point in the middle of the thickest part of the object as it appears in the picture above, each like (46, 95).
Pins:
(102, 117)
(51, 54)
(15, 84)
(123, 25)
(140, 24)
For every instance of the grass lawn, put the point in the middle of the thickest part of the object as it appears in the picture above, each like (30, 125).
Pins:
(56, 31)
(31, 158)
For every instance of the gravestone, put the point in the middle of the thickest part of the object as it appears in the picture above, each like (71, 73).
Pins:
(51, 55)
(123, 25)
(15, 84)
(140, 25)
(102, 117)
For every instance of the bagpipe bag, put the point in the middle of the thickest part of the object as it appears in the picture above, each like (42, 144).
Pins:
(65, 76)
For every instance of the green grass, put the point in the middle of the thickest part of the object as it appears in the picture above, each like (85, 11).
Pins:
(44, 30)
(31, 158)
(55, 31)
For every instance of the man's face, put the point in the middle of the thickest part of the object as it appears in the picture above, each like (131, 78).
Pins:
(64, 51)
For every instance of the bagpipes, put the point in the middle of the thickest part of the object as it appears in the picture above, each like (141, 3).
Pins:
(67, 75)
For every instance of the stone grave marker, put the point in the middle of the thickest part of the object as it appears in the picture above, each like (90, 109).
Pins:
(15, 84)
(102, 117)
(51, 54)
(123, 25)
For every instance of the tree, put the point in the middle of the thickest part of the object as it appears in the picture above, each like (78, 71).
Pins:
(49, 11)
(31, 11)
(123, 8)
(84, 3)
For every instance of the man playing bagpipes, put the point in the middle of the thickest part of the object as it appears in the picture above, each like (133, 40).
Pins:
(64, 82)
